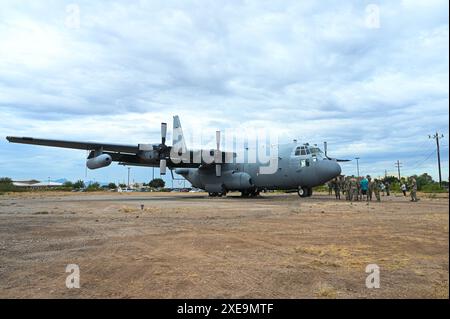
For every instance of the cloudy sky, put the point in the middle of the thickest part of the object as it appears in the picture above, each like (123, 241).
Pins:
(369, 77)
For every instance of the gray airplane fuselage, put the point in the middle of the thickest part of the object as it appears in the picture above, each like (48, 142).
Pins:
(297, 167)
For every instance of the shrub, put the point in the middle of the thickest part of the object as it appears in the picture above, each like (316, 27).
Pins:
(433, 188)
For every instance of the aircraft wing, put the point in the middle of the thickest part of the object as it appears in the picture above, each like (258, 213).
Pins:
(125, 154)
(102, 154)
(119, 148)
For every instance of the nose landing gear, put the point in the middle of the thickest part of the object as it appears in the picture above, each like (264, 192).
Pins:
(304, 191)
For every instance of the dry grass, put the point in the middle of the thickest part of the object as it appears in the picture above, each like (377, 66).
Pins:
(128, 209)
(326, 291)
(277, 246)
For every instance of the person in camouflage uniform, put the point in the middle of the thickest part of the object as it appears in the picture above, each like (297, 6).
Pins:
(330, 187)
(347, 187)
(388, 188)
(337, 187)
(413, 188)
(353, 189)
(358, 187)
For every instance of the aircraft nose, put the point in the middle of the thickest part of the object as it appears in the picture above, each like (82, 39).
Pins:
(329, 169)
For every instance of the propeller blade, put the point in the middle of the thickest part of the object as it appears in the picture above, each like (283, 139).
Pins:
(325, 144)
(218, 139)
(218, 170)
(163, 133)
(162, 166)
(218, 157)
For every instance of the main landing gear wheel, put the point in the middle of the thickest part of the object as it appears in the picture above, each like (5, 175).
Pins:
(304, 191)
(214, 194)
(253, 193)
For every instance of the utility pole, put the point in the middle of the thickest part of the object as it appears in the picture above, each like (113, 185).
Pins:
(153, 173)
(357, 164)
(398, 165)
(437, 137)
(128, 177)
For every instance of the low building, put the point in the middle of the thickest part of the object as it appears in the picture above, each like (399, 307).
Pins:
(36, 184)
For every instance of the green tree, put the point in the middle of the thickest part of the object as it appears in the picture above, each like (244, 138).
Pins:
(68, 184)
(112, 186)
(121, 185)
(157, 183)
(423, 180)
(6, 185)
(79, 184)
(390, 179)
(5, 180)
(93, 187)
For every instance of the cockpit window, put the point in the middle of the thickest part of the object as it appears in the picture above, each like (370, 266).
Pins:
(300, 151)
(315, 150)
(307, 150)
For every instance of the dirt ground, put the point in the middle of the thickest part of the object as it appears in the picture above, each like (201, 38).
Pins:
(186, 245)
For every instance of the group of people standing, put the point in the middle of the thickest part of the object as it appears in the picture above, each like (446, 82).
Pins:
(363, 188)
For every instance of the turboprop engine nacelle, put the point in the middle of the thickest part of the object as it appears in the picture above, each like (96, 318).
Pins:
(237, 181)
(100, 161)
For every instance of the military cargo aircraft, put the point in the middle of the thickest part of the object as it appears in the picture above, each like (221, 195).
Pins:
(299, 167)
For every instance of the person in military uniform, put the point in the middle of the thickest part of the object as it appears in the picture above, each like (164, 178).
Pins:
(376, 189)
(413, 188)
(330, 187)
(347, 188)
(358, 190)
(337, 187)
(353, 189)
(387, 185)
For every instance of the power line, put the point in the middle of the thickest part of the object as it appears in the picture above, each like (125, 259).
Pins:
(417, 164)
